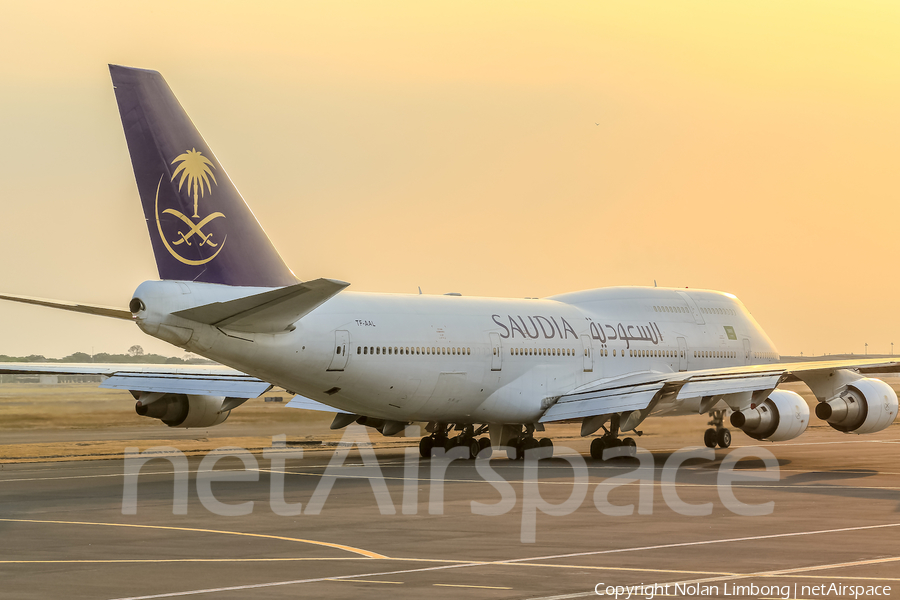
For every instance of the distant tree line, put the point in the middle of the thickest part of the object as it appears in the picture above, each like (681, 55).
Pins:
(135, 355)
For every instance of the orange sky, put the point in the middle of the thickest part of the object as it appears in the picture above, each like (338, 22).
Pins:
(497, 149)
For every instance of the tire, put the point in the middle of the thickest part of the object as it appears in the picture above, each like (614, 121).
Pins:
(724, 438)
(474, 448)
(631, 445)
(425, 446)
(710, 438)
(530, 448)
(484, 442)
(597, 447)
(547, 446)
(512, 453)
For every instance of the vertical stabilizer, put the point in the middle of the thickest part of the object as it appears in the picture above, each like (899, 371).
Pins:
(200, 227)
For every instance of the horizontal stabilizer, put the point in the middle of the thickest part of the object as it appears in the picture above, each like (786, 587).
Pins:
(310, 404)
(103, 311)
(268, 312)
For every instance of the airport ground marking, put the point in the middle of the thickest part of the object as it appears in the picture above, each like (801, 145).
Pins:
(343, 547)
(104, 561)
(743, 485)
(481, 587)
(708, 542)
(514, 481)
(781, 573)
(855, 563)
(364, 581)
(520, 562)
(462, 563)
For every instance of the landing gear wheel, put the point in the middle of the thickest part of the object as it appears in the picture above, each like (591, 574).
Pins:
(710, 438)
(425, 446)
(515, 449)
(473, 448)
(724, 438)
(511, 450)
(598, 445)
(484, 442)
(631, 445)
(530, 444)
(547, 447)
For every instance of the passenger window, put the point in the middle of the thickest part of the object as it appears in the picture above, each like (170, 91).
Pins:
(358, 350)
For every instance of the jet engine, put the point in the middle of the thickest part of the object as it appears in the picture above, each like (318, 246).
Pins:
(181, 410)
(866, 406)
(782, 416)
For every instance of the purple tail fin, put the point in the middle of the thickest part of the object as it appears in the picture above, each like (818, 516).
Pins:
(200, 227)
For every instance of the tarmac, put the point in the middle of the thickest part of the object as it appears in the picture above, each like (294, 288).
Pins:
(834, 520)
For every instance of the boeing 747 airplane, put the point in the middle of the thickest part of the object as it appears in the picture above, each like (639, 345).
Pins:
(480, 371)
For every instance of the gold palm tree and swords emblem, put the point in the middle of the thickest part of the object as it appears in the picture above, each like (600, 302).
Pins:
(195, 170)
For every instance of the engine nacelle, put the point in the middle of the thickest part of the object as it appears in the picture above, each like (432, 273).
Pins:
(866, 406)
(782, 416)
(181, 410)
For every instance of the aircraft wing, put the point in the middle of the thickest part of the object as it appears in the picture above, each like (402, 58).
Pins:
(213, 380)
(310, 404)
(606, 396)
(638, 390)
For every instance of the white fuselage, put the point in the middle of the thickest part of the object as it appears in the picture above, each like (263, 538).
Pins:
(466, 359)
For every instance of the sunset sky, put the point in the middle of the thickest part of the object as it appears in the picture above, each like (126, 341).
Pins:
(488, 148)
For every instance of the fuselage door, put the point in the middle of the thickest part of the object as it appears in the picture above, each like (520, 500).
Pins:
(588, 353)
(341, 348)
(682, 354)
(496, 352)
(695, 310)
(747, 356)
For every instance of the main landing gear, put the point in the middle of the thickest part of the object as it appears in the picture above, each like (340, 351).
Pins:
(610, 439)
(525, 442)
(466, 439)
(516, 446)
(718, 434)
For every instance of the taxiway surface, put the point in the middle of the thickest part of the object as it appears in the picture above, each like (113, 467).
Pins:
(835, 519)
